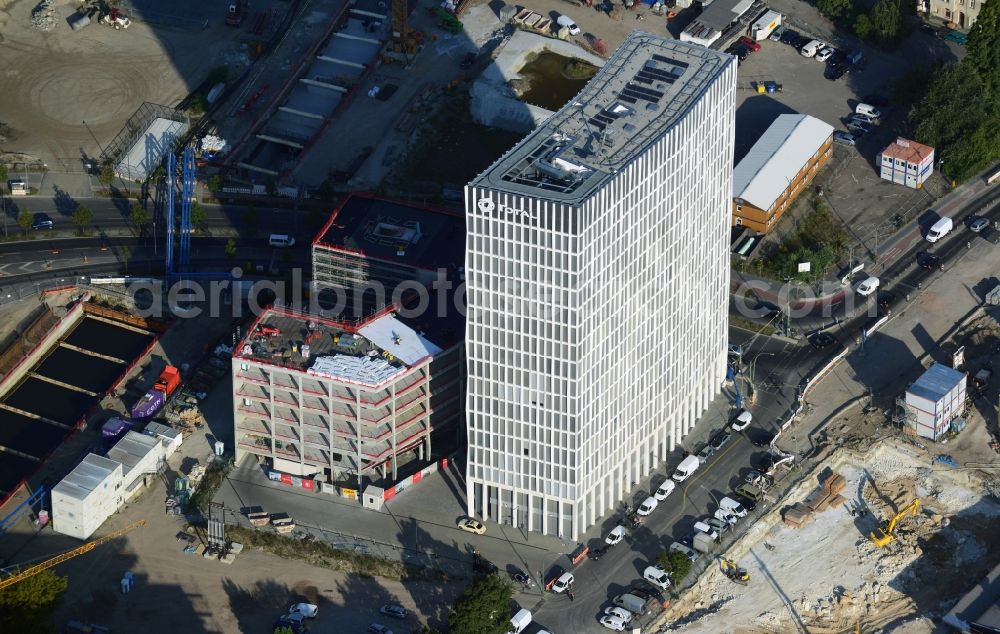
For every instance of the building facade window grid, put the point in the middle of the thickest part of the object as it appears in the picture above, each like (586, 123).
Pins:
(598, 428)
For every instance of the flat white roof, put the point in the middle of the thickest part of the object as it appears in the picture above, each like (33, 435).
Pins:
(777, 156)
(370, 370)
(131, 449)
(86, 477)
(150, 148)
(398, 339)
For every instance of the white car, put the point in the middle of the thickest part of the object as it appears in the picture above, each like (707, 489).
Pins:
(647, 507)
(825, 54)
(616, 535)
(730, 505)
(665, 489)
(726, 516)
(564, 581)
(813, 47)
(618, 613)
(742, 420)
(613, 623)
(656, 576)
(867, 287)
(678, 547)
(566, 21)
(307, 610)
(470, 525)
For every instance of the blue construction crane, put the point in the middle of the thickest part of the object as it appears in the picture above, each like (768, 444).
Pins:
(187, 197)
(171, 170)
(36, 498)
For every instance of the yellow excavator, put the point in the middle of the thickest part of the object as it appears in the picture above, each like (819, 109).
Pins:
(734, 572)
(882, 537)
(58, 559)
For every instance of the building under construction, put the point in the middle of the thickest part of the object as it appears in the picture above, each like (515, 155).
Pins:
(345, 400)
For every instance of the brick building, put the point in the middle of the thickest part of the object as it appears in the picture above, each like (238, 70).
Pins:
(779, 167)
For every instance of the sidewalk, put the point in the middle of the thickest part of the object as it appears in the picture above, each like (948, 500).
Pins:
(897, 354)
(832, 292)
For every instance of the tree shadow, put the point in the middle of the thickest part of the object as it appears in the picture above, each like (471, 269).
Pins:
(65, 204)
(250, 606)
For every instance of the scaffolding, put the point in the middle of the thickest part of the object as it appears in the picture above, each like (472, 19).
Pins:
(136, 126)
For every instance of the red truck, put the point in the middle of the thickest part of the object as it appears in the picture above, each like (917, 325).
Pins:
(169, 381)
(234, 17)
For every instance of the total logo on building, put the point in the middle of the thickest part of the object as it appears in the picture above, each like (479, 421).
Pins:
(488, 207)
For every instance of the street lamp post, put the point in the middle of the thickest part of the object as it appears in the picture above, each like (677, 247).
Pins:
(753, 366)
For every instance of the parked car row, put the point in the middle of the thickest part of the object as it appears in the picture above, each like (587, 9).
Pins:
(741, 48)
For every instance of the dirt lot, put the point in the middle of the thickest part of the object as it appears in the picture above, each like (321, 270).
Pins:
(52, 81)
(829, 576)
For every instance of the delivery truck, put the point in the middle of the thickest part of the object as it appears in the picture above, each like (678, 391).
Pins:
(762, 28)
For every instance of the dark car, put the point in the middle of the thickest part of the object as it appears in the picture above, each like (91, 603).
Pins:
(522, 578)
(928, 261)
(927, 29)
(688, 540)
(885, 300)
(468, 60)
(790, 37)
(597, 553)
(834, 72)
(739, 51)
(719, 440)
(876, 100)
(42, 221)
(762, 439)
(642, 590)
(822, 340)
(748, 503)
(803, 40)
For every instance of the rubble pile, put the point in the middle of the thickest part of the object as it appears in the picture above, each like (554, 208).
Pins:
(828, 496)
(42, 17)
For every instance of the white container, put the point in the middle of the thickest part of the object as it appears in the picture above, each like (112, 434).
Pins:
(220, 447)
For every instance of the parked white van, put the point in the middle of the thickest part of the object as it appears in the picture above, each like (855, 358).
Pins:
(940, 229)
(813, 47)
(686, 468)
(281, 240)
(566, 21)
(868, 110)
(647, 507)
(520, 621)
(732, 506)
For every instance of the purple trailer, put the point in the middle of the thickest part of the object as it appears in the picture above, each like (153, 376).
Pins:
(113, 430)
(148, 405)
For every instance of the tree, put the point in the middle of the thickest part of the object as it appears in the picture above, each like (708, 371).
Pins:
(82, 218)
(198, 216)
(139, 218)
(107, 175)
(483, 608)
(958, 118)
(28, 605)
(24, 220)
(3, 174)
(983, 47)
(272, 186)
(674, 562)
(215, 184)
(126, 255)
(886, 17)
(835, 9)
(862, 26)
(231, 248)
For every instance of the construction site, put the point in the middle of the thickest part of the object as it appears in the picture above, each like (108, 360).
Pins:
(829, 573)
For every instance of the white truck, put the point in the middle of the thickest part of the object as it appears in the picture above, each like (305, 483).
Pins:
(520, 621)
(762, 28)
(940, 229)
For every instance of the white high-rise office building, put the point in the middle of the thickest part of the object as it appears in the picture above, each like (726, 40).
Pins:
(597, 275)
